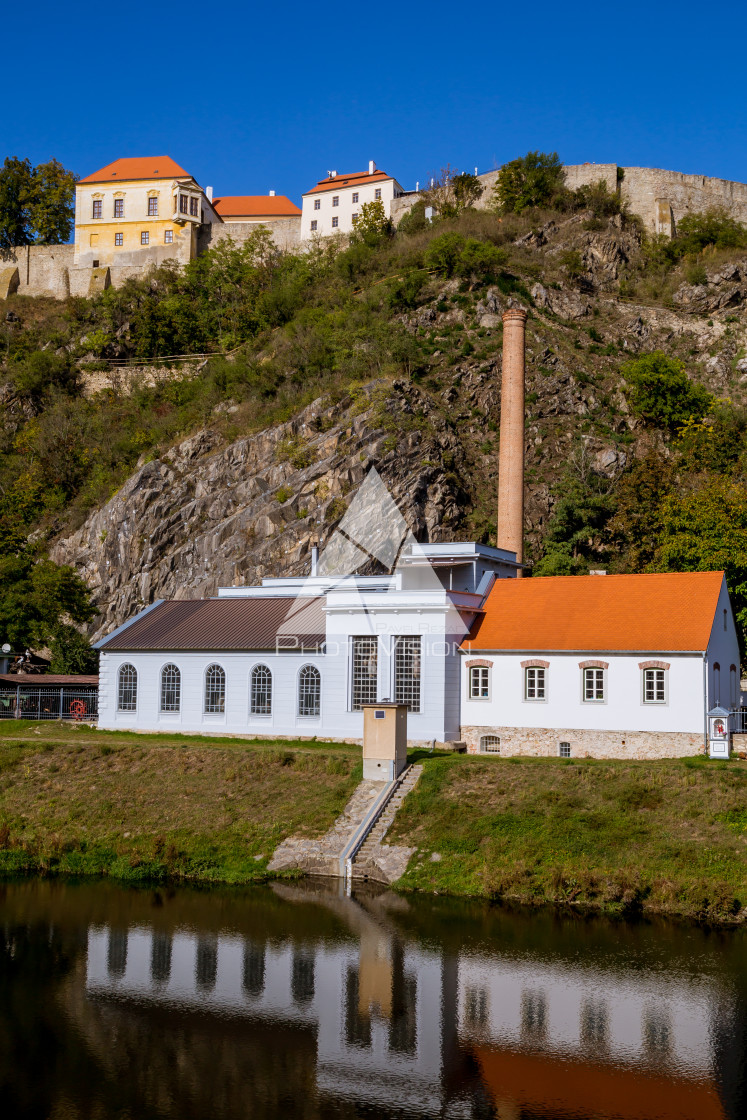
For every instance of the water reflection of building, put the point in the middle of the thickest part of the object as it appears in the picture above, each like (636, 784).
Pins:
(404, 1026)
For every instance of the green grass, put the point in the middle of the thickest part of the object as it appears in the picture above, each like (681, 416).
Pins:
(76, 801)
(665, 836)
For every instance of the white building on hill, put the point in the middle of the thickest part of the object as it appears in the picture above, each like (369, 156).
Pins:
(334, 204)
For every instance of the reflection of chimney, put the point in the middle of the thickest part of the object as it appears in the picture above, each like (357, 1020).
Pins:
(511, 457)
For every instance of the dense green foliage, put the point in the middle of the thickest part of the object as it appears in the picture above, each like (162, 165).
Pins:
(661, 393)
(531, 180)
(37, 204)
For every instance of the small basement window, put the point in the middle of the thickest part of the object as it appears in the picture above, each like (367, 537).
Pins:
(564, 750)
(491, 744)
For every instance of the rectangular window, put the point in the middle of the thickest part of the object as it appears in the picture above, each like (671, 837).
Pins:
(144, 237)
(317, 204)
(479, 682)
(365, 652)
(377, 192)
(168, 236)
(194, 207)
(564, 750)
(119, 239)
(654, 686)
(336, 200)
(335, 223)
(97, 204)
(119, 208)
(407, 662)
(152, 207)
(593, 685)
(183, 203)
(534, 683)
(313, 225)
(355, 196)
(355, 218)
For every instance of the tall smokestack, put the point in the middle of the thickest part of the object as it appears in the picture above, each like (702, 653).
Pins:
(511, 457)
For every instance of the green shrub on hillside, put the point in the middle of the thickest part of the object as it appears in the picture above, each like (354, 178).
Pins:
(661, 393)
(535, 179)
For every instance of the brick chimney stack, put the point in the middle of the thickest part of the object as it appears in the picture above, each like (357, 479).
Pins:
(511, 457)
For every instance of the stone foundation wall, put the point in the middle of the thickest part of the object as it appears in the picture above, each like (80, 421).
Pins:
(286, 233)
(544, 741)
(43, 270)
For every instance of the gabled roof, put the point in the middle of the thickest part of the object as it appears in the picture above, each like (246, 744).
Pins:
(256, 206)
(140, 167)
(223, 624)
(355, 179)
(662, 612)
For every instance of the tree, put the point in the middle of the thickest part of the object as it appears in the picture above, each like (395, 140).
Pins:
(71, 652)
(451, 192)
(661, 393)
(372, 224)
(36, 597)
(37, 204)
(532, 180)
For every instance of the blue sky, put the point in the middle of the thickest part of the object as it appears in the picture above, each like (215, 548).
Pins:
(251, 98)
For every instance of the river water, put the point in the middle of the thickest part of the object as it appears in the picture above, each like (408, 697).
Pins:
(298, 1001)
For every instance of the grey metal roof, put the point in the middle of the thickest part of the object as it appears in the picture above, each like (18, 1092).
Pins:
(224, 624)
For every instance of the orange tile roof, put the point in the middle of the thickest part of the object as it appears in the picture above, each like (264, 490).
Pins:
(255, 206)
(666, 612)
(355, 179)
(141, 167)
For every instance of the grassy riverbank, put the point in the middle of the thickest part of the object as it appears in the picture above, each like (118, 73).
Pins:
(666, 836)
(77, 801)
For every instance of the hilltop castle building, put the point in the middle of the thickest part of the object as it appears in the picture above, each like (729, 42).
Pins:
(334, 204)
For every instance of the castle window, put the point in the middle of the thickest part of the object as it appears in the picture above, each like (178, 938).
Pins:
(168, 236)
(534, 683)
(183, 204)
(564, 750)
(355, 218)
(215, 689)
(593, 686)
(309, 692)
(654, 686)
(355, 196)
(119, 208)
(194, 207)
(407, 659)
(152, 207)
(97, 205)
(479, 682)
(335, 223)
(144, 237)
(313, 225)
(171, 688)
(261, 691)
(377, 193)
(127, 689)
(317, 204)
(119, 239)
(336, 200)
(490, 743)
(365, 672)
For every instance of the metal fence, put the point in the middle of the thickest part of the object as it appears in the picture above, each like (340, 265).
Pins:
(49, 703)
(739, 721)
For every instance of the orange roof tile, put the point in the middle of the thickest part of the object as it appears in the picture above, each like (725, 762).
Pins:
(256, 206)
(669, 611)
(355, 179)
(141, 167)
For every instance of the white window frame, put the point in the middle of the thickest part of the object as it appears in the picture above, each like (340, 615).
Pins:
(335, 200)
(377, 194)
(317, 203)
(313, 225)
(335, 222)
(266, 712)
(211, 710)
(175, 687)
(131, 706)
(315, 693)
(372, 679)
(480, 672)
(355, 198)
(665, 689)
(565, 749)
(485, 749)
(594, 670)
(538, 682)
(168, 237)
(408, 647)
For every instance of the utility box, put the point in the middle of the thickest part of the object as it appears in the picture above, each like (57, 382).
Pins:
(384, 741)
(718, 733)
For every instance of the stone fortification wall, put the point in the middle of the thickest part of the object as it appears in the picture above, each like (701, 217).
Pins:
(286, 233)
(43, 270)
(543, 741)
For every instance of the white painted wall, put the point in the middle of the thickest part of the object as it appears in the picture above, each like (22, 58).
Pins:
(623, 709)
(344, 211)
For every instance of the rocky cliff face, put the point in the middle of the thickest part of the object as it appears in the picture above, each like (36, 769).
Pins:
(206, 516)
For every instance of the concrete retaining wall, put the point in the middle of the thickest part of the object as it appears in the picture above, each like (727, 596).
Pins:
(543, 741)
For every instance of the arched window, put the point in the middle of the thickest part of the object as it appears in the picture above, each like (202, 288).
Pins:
(127, 689)
(261, 691)
(171, 688)
(215, 689)
(716, 683)
(309, 691)
(491, 744)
